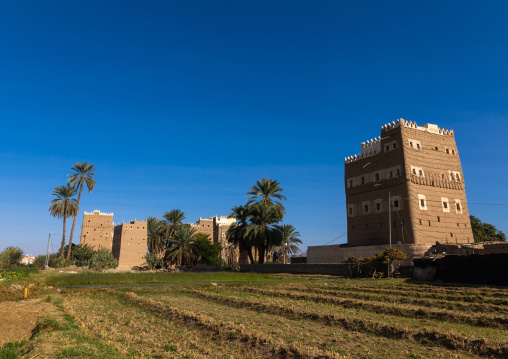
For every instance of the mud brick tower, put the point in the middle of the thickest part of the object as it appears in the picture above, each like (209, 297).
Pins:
(97, 230)
(130, 244)
(418, 168)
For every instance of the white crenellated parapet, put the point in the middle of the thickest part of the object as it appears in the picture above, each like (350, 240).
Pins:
(371, 147)
(429, 127)
(96, 211)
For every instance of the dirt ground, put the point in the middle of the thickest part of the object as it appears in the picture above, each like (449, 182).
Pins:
(17, 319)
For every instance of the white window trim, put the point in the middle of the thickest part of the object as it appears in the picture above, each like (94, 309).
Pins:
(455, 202)
(444, 199)
(420, 198)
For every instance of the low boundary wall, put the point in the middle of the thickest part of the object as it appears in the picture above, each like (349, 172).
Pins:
(299, 268)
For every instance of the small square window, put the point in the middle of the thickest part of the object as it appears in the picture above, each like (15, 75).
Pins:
(447, 151)
(436, 148)
(396, 204)
(398, 172)
(422, 202)
(377, 176)
(445, 204)
(417, 145)
(458, 206)
(363, 180)
(410, 143)
(439, 219)
(391, 174)
(387, 148)
(394, 146)
(366, 209)
(350, 210)
(420, 222)
(378, 206)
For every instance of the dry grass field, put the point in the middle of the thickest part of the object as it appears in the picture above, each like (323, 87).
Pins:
(301, 317)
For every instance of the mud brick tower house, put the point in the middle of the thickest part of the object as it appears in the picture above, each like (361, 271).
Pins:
(97, 230)
(130, 244)
(418, 168)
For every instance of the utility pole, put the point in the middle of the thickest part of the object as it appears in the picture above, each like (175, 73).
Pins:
(390, 216)
(220, 254)
(402, 226)
(47, 252)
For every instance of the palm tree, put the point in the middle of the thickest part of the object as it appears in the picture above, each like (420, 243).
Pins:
(267, 191)
(261, 229)
(63, 206)
(173, 220)
(82, 176)
(290, 240)
(236, 232)
(156, 243)
(182, 249)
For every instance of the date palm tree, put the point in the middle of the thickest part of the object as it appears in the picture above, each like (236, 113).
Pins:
(82, 176)
(173, 220)
(290, 240)
(183, 242)
(261, 230)
(268, 191)
(63, 206)
(236, 232)
(156, 243)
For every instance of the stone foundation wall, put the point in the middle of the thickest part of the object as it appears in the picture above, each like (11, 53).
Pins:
(338, 254)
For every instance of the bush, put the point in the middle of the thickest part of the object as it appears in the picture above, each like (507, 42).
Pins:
(206, 251)
(82, 254)
(103, 259)
(154, 261)
(54, 261)
(11, 256)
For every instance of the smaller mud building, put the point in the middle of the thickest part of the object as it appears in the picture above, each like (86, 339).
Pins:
(127, 241)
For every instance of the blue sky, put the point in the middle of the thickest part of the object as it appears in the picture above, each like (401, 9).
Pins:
(185, 104)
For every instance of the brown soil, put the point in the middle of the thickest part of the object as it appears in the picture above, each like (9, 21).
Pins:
(19, 318)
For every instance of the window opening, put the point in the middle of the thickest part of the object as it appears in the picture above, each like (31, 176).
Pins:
(445, 205)
(378, 206)
(377, 176)
(396, 204)
(363, 180)
(394, 146)
(366, 209)
(391, 174)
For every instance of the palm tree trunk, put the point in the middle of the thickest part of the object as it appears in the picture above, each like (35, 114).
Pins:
(63, 236)
(74, 223)
(261, 254)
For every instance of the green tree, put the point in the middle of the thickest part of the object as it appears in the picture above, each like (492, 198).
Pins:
(268, 191)
(173, 220)
(236, 233)
(10, 256)
(290, 241)
(82, 176)
(63, 206)
(103, 259)
(206, 252)
(485, 232)
(81, 254)
(181, 251)
(261, 230)
(156, 242)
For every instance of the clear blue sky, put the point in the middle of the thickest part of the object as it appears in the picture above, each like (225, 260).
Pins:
(185, 104)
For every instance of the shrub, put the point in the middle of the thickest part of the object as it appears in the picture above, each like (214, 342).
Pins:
(206, 251)
(103, 259)
(154, 261)
(82, 254)
(11, 256)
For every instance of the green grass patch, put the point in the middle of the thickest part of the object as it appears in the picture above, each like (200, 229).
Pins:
(12, 350)
(106, 279)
